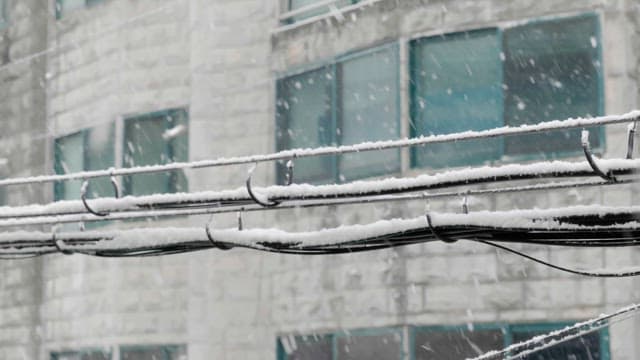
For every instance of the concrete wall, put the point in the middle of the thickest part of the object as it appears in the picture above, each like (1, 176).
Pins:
(115, 59)
(219, 59)
(23, 140)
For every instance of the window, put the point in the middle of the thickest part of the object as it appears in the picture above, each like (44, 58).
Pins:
(3, 174)
(544, 70)
(354, 345)
(438, 343)
(350, 101)
(64, 7)
(3, 13)
(89, 149)
(82, 355)
(163, 352)
(459, 342)
(309, 8)
(157, 138)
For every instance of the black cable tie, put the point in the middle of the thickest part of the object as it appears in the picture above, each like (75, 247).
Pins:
(436, 234)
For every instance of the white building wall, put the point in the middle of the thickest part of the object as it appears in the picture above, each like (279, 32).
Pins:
(218, 58)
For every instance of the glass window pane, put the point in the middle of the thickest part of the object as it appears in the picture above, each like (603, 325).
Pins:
(154, 353)
(69, 158)
(3, 12)
(307, 348)
(65, 6)
(143, 354)
(369, 103)
(586, 347)
(144, 145)
(386, 346)
(93, 355)
(304, 120)
(177, 135)
(552, 71)
(96, 356)
(99, 156)
(456, 344)
(457, 87)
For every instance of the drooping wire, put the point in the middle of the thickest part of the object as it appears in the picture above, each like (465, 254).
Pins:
(562, 268)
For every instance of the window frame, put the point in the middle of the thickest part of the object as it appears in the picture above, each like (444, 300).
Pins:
(504, 157)
(334, 64)
(408, 335)
(168, 151)
(335, 335)
(55, 355)
(166, 349)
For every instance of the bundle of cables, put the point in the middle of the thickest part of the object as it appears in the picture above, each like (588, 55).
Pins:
(581, 226)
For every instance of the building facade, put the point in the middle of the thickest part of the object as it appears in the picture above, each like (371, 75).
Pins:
(93, 84)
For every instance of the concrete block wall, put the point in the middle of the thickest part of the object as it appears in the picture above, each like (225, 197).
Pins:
(112, 60)
(219, 58)
(435, 283)
(23, 141)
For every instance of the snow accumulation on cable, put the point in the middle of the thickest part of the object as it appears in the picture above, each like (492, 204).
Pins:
(541, 342)
(157, 237)
(366, 146)
(307, 191)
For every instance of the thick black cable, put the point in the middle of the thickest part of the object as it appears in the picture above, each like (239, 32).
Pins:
(562, 268)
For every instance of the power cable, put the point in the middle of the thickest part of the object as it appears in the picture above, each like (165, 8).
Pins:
(335, 150)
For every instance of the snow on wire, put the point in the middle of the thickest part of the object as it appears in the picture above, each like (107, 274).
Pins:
(307, 192)
(632, 116)
(584, 226)
(542, 342)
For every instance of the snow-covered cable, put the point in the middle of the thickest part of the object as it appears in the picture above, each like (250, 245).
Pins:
(154, 212)
(335, 150)
(580, 225)
(542, 342)
(307, 192)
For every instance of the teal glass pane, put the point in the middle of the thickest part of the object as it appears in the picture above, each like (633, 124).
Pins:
(3, 12)
(306, 348)
(144, 145)
(552, 71)
(456, 87)
(382, 345)
(177, 136)
(154, 353)
(304, 120)
(369, 93)
(3, 195)
(585, 347)
(65, 6)
(84, 355)
(456, 344)
(69, 158)
(100, 155)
